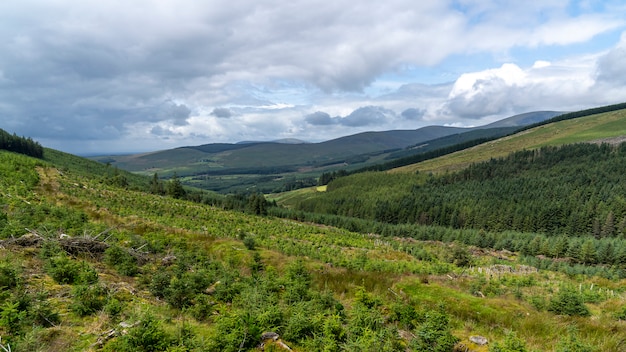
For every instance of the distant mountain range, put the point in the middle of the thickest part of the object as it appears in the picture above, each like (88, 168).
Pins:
(293, 155)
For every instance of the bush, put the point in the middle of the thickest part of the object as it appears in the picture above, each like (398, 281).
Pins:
(68, 271)
(88, 299)
(114, 307)
(160, 283)
(148, 336)
(568, 302)
(460, 256)
(11, 317)
(119, 258)
(9, 276)
(435, 333)
(511, 344)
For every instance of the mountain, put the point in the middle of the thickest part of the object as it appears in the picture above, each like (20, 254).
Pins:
(293, 158)
(582, 126)
(526, 119)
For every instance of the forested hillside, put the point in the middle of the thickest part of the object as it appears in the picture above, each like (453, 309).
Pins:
(574, 190)
(90, 263)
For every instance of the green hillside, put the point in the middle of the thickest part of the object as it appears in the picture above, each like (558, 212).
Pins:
(585, 129)
(90, 265)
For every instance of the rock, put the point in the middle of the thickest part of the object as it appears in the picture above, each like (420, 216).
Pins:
(168, 260)
(479, 340)
(270, 335)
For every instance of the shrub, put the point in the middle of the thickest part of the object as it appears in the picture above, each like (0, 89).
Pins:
(460, 256)
(568, 302)
(202, 307)
(249, 242)
(159, 283)
(42, 314)
(88, 299)
(148, 336)
(511, 344)
(8, 276)
(68, 271)
(11, 317)
(114, 307)
(124, 262)
(435, 333)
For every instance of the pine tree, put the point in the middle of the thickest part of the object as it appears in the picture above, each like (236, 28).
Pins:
(156, 185)
(588, 252)
(608, 230)
(175, 188)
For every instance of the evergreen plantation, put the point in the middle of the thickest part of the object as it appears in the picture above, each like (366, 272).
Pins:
(525, 250)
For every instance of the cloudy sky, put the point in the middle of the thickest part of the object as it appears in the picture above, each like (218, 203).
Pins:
(127, 76)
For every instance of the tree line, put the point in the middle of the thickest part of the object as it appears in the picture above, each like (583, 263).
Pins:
(22, 145)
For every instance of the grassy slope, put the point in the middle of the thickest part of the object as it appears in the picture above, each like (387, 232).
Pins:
(339, 260)
(585, 129)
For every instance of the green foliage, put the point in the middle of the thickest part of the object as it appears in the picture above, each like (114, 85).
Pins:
(147, 336)
(460, 256)
(174, 188)
(319, 287)
(434, 334)
(621, 314)
(9, 275)
(250, 243)
(549, 190)
(11, 317)
(573, 343)
(568, 301)
(119, 258)
(88, 299)
(114, 307)
(156, 185)
(65, 270)
(511, 344)
(404, 314)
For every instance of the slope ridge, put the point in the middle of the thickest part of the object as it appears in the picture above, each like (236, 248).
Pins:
(583, 129)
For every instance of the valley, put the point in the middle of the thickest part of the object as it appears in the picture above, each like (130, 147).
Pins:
(518, 241)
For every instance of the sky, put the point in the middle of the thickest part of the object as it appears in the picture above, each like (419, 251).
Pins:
(106, 77)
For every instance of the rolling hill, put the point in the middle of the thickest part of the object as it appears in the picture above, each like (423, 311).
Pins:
(291, 160)
(586, 129)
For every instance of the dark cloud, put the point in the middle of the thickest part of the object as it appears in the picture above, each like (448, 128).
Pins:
(160, 131)
(222, 113)
(176, 113)
(413, 114)
(320, 118)
(368, 115)
(611, 68)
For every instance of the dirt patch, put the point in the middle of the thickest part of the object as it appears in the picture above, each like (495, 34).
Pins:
(611, 140)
